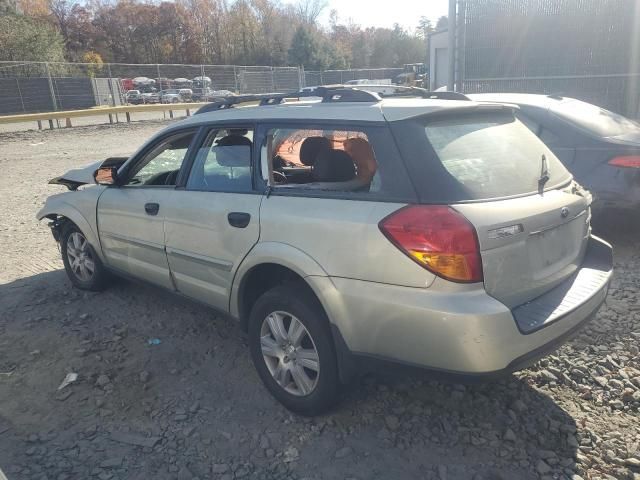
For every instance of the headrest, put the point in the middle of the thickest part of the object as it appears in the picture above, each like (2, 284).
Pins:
(333, 166)
(233, 155)
(311, 147)
(233, 139)
(362, 154)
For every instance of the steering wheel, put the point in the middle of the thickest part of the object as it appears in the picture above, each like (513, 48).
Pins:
(171, 177)
(279, 177)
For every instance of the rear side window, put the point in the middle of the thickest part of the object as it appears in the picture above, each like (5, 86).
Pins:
(593, 119)
(330, 161)
(490, 156)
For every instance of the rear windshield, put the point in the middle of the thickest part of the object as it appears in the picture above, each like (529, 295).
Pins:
(593, 119)
(492, 155)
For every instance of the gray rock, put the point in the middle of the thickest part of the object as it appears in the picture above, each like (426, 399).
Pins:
(220, 468)
(602, 381)
(291, 454)
(103, 380)
(510, 435)
(392, 422)
(134, 439)
(344, 452)
(442, 472)
(572, 441)
(519, 406)
(111, 462)
(144, 376)
(615, 384)
(632, 462)
(542, 467)
(547, 376)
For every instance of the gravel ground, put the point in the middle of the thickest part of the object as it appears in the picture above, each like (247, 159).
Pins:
(191, 406)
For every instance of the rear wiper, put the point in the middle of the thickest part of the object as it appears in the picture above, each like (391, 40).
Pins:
(544, 175)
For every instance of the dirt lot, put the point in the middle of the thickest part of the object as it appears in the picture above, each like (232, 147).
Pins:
(193, 407)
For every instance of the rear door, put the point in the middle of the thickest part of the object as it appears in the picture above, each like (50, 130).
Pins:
(212, 221)
(532, 221)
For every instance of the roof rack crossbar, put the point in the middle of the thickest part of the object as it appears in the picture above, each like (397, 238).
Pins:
(328, 95)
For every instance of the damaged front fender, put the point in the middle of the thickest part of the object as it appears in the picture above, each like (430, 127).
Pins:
(77, 207)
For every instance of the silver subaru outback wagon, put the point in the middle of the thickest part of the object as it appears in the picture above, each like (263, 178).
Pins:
(345, 230)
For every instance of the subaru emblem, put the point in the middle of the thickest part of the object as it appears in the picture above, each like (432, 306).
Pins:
(564, 212)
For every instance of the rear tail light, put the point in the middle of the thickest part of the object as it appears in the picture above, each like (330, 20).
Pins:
(438, 238)
(627, 161)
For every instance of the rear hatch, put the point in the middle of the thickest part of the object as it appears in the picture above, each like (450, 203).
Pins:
(531, 219)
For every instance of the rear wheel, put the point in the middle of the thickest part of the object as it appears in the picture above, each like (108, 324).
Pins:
(82, 264)
(292, 350)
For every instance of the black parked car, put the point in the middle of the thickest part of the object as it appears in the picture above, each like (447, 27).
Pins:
(600, 148)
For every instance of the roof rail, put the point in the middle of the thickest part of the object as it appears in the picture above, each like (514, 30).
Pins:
(328, 95)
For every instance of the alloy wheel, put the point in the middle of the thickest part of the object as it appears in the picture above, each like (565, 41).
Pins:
(80, 257)
(290, 353)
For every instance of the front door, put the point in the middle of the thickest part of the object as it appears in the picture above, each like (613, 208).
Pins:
(213, 222)
(131, 216)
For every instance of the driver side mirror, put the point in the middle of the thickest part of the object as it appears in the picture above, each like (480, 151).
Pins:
(106, 175)
(107, 172)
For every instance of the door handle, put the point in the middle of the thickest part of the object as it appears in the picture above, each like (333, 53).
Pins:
(239, 219)
(151, 208)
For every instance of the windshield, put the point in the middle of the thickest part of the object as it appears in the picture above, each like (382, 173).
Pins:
(594, 119)
(493, 156)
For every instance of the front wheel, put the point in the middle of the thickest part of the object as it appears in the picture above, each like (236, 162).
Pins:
(82, 264)
(292, 350)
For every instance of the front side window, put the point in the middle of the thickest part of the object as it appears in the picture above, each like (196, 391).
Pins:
(161, 165)
(223, 162)
(321, 160)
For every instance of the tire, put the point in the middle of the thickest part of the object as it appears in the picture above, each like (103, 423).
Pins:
(73, 244)
(310, 391)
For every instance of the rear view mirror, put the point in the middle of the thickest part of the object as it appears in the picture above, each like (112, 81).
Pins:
(106, 175)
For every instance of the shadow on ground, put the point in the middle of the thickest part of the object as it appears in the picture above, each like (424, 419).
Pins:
(178, 381)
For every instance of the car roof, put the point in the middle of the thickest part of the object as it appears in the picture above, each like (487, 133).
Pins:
(393, 109)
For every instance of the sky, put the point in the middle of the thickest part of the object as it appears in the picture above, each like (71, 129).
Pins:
(368, 13)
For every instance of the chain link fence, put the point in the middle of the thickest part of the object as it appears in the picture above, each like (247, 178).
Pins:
(585, 49)
(31, 87)
(332, 77)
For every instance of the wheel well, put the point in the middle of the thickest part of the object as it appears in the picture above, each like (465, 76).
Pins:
(58, 224)
(262, 278)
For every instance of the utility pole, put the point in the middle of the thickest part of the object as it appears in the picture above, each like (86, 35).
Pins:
(451, 49)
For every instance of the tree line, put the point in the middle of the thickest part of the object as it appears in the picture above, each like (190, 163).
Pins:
(242, 32)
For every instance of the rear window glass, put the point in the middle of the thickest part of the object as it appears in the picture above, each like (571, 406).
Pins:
(594, 119)
(492, 156)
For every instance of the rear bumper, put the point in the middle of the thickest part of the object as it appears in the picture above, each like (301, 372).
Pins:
(459, 330)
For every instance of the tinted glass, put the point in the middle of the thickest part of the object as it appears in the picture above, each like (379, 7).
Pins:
(594, 119)
(492, 156)
(223, 162)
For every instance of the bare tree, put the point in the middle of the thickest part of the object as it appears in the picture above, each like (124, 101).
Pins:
(310, 10)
